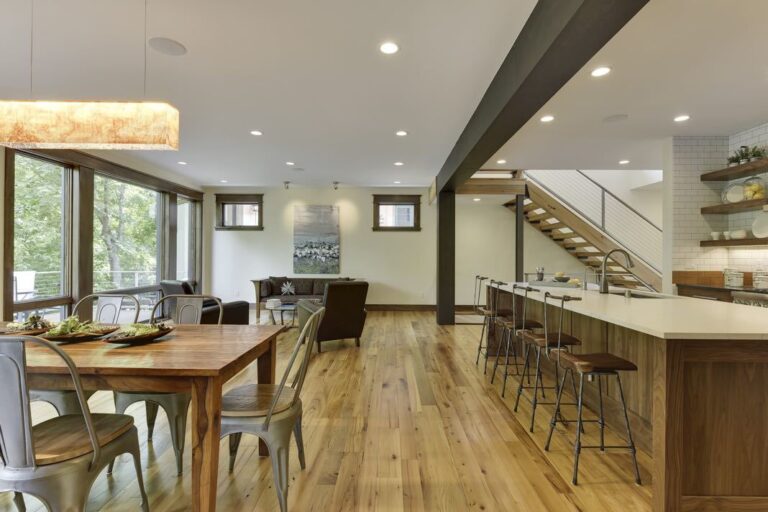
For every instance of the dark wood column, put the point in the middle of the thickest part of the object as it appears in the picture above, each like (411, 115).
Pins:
(82, 238)
(446, 258)
(519, 237)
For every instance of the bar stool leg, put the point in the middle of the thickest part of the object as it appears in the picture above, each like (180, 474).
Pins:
(602, 417)
(488, 345)
(480, 345)
(526, 366)
(577, 445)
(510, 341)
(498, 353)
(629, 432)
(536, 387)
(556, 414)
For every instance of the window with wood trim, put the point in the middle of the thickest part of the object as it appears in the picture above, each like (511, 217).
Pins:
(240, 211)
(396, 212)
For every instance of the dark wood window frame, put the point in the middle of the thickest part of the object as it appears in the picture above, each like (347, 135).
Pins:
(397, 199)
(79, 270)
(225, 199)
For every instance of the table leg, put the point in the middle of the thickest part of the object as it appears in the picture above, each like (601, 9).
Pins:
(206, 430)
(272, 315)
(265, 366)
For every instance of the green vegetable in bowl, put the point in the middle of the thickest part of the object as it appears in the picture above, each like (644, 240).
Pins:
(132, 330)
(73, 325)
(33, 323)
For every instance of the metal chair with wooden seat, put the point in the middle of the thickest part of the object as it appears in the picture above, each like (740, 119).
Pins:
(108, 307)
(56, 460)
(188, 310)
(511, 324)
(272, 412)
(492, 317)
(541, 343)
(593, 365)
(480, 310)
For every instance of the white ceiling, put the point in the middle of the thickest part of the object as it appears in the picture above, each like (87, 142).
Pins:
(703, 58)
(307, 73)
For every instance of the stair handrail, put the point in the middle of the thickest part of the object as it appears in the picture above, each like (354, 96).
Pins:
(601, 225)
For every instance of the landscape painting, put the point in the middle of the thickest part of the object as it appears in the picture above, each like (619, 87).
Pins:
(315, 239)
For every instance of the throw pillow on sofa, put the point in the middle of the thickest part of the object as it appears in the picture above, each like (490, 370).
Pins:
(303, 286)
(276, 284)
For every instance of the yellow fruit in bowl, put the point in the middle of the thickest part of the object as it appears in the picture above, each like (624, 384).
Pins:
(559, 274)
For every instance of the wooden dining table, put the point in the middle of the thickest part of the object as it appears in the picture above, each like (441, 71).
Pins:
(197, 359)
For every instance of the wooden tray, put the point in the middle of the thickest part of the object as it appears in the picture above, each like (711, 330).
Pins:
(138, 340)
(86, 336)
(28, 332)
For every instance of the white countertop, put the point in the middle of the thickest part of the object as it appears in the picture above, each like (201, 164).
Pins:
(668, 317)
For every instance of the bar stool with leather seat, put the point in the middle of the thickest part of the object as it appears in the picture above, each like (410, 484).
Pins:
(593, 365)
(481, 310)
(511, 324)
(541, 343)
(489, 313)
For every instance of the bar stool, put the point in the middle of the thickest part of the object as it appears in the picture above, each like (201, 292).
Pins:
(490, 313)
(510, 324)
(541, 343)
(480, 310)
(589, 365)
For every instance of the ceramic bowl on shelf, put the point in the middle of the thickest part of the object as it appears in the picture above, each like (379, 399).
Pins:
(760, 225)
(739, 234)
(733, 193)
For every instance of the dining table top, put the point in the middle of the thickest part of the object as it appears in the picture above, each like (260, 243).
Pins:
(188, 351)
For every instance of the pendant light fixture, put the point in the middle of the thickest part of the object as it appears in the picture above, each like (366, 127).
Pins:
(89, 124)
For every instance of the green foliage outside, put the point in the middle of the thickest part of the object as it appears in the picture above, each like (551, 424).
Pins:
(124, 228)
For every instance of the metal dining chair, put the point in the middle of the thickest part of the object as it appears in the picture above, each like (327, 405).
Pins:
(272, 412)
(56, 460)
(108, 307)
(188, 310)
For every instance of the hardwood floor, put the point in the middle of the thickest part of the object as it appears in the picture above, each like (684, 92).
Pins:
(406, 422)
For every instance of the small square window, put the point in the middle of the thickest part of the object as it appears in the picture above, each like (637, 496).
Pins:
(396, 213)
(239, 211)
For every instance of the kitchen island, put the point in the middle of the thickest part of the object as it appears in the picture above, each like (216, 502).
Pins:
(699, 400)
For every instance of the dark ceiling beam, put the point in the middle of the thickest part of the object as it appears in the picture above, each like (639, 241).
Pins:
(559, 37)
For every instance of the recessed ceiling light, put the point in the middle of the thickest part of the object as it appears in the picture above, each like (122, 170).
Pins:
(600, 71)
(182, 163)
(397, 183)
(682, 118)
(389, 48)
(223, 181)
(476, 199)
(167, 46)
(401, 133)
(257, 133)
(623, 162)
(399, 164)
(547, 119)
(501, 162)
(289, 163)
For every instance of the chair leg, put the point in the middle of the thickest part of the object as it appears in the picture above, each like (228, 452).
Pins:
(577, 445)
(488, 345)
(151, 408)
(602, 417)
(526, 366)
(629, 432)
(536, 387)
(299, 441)
(18, 500)
(136, 454)
(498, 353)
(177, 422)
(278, 452)
(480, 344)
(234, 444)
(556, 414)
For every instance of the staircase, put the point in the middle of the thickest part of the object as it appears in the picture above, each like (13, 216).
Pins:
(589, 234)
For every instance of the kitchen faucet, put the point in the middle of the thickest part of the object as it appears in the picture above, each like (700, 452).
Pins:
(603, 272)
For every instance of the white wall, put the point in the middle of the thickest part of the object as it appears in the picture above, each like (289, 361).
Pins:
(635, 187)
(400, 266)
(485, 244)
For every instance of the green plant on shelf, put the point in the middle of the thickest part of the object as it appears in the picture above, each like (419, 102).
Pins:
(757, 152)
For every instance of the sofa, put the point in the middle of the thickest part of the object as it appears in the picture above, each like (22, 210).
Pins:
(307, 288)
(235, 313)
(345, 312)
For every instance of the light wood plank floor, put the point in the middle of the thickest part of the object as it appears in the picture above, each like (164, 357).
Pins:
(407, 422)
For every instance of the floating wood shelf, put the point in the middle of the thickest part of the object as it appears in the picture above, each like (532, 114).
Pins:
(734, 243)
(737, 171)
(741, 206)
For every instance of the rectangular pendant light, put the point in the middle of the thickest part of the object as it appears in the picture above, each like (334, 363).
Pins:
(88, 125)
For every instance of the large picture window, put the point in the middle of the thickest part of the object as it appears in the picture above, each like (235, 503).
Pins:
(126, 228)
(40, 232)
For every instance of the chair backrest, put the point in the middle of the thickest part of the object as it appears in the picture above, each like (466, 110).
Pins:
(478, 291)
(108, 307)
(344, 303)
(526, 289)
(16, 445)
(563, 299)
(189, 308)
(307, 339)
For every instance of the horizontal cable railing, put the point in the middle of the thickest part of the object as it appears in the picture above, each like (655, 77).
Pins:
(606, 211)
